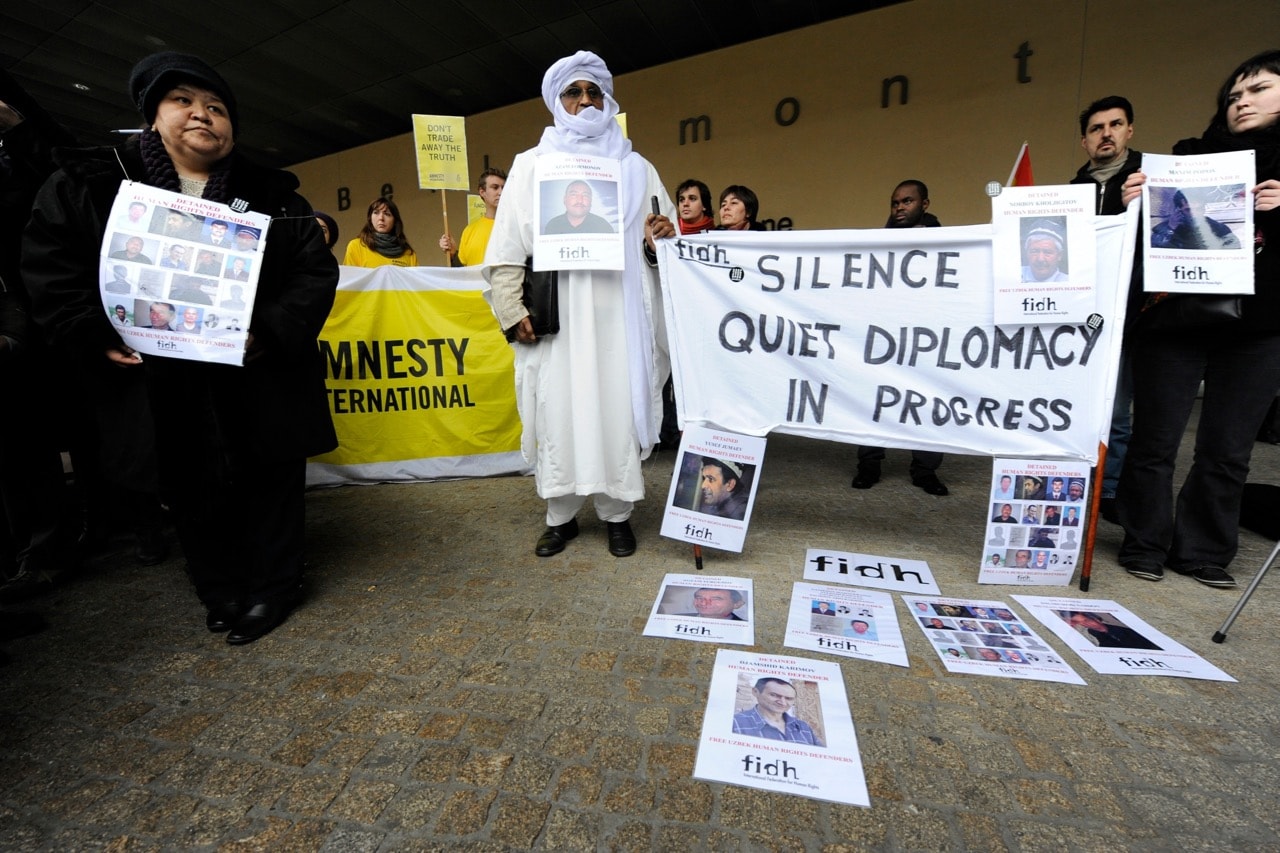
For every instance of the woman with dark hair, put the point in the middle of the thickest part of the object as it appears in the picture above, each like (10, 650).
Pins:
(739, 207)
(328, 227)
(381, 242)
(233, 456)
(1238, 361)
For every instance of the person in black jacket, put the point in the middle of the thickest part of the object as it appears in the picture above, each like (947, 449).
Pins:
(1238, 361)
(233, 457)
(1106, 127)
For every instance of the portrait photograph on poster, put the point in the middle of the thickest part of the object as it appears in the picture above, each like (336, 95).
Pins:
(855, 623)
(781, 724)
(703, 608)
(1116, 641)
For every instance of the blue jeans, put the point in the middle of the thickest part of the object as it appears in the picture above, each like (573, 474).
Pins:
(1241, 373)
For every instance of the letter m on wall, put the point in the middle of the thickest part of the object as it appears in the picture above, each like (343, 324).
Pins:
(693, 126)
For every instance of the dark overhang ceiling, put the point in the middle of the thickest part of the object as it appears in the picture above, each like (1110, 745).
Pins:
(313, 77)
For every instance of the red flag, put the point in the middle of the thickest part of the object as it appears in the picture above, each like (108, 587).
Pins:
(1021, 174)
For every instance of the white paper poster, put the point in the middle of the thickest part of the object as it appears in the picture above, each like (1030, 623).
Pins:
(1115, 641)
(705, 608)
(781, 724)
(579, 205)
(895, 573)
(854, 623)
(987, 638)
(713, 488)
(1045, 261)
(179, 274)
(1198, 222)
(1035, 522)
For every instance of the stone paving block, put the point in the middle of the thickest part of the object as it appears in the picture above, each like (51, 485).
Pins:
(578, 786)
(389, 757)
(687, 800)
(465, 812)
(362, 801)
(413, 808)
(310, 795)
(530, 774)
(440, 764)
(518, 821)
(570, 831)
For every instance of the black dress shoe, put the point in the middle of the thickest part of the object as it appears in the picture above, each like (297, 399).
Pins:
(223, 616)
(931, 484)
(867, 476)
(553, 539)
(260, 619)
(622, 541)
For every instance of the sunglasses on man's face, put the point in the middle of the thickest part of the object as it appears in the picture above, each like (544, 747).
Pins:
(574, 93)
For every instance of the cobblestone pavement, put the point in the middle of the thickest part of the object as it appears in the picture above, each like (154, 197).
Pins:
(443, 689)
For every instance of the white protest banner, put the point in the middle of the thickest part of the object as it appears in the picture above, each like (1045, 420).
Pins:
(781, 724)
(1035, 519)
(1115, 641)
(1044, 254)
(1198, 222)
(885, 338)
(893, 573)
(705, 608)
(579, 207)
(987, 638)
(855, 623)
(179, 274)
(713, 488)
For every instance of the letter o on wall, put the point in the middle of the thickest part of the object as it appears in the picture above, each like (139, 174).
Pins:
(787, 105)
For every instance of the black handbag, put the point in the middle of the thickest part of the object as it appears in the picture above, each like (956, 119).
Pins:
(541, 296)
(1177, 312)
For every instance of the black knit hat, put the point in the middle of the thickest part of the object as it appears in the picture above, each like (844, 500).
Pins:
(153, 77)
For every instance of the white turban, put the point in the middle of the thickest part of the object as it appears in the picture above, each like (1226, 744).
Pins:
(591, 131)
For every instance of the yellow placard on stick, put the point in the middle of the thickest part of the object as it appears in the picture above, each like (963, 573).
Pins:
(475, 207)
(440, 143)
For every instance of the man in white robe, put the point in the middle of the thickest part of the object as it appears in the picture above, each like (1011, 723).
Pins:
(590, 396)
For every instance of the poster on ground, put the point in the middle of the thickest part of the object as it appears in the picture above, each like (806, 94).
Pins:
(713, 488)
(855, 623)
(893, 573)
(704, 608)
(781, 724)
(1116, 641)
(987, 638)
(1036, 518)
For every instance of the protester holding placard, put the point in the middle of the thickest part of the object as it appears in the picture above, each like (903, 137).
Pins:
(589, 395)
(381, 242)
(470, 248)
(1237, 359)
(233, 454)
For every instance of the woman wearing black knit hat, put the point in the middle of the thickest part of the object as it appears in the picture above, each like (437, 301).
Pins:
(233, 454)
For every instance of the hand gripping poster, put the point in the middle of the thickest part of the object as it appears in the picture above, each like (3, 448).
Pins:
(179, 274)
(781, 724)
(1198, 222)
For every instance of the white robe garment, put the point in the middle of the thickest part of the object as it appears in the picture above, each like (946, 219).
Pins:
(585, 428)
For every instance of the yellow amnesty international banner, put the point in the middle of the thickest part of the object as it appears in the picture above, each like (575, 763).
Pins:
(420, 379)
(440, 143)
